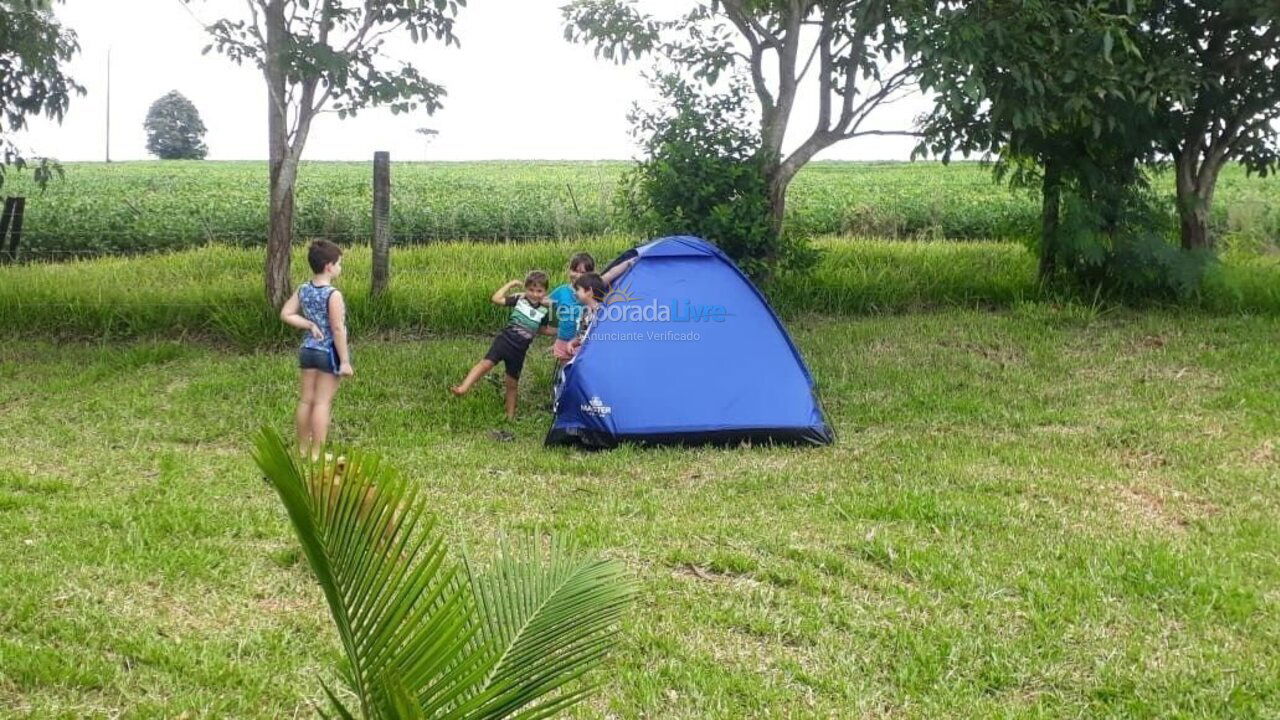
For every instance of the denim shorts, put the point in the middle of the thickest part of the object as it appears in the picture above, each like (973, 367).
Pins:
(313, 359)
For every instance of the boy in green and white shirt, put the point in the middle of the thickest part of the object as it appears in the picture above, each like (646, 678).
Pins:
(530, 316)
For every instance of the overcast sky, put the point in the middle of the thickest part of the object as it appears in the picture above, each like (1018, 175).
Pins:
(516, 90)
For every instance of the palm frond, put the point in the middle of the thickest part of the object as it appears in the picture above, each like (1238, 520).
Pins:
(547, 623)
(404, 614)
(342, 712)
(422, 638)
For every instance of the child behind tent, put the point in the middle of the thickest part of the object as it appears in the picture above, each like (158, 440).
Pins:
(566, 305)
(590, 290)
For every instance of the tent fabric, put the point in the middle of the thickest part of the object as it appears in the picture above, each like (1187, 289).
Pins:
(686, 350)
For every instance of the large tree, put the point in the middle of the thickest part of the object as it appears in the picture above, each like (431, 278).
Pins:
(1055, 90)
(853, 49)
(318, 55)
(174, 129)
(1228, 54)
(33, 49)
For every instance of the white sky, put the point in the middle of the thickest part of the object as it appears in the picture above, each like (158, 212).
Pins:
(516, 90)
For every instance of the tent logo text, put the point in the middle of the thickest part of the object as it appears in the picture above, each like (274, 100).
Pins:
(595, 407)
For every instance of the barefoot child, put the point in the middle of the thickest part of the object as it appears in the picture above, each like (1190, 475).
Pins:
(530, 313)
(325, 357)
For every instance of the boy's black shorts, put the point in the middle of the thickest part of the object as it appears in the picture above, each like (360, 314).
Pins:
(507, 351)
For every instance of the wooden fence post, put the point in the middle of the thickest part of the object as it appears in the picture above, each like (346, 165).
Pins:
(11, 227)
(381, 222)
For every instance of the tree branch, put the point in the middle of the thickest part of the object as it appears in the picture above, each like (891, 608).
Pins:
(814, 52)
(852, 118)
(787, 81)
(825, 69)
(748, 25)
(306, 104)
(882, 133)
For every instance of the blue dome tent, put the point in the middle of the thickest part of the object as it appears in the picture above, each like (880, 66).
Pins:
(685, 350)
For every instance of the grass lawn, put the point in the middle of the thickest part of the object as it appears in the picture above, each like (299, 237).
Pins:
(1038, 511)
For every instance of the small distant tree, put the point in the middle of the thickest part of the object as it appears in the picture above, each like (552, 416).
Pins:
(318, 56)
(174, 129)
(33, 50)
(428, 135)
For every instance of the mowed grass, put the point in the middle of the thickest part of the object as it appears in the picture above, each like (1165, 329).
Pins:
(216, 291)
(1041, 511)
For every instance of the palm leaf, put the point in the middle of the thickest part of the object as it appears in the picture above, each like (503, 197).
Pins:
(422, 639)
(547, 623)
(403, 612)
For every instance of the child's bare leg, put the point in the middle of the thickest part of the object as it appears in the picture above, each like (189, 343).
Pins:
(321, 408)
(472, 377)
(302, 417)
(513, 385)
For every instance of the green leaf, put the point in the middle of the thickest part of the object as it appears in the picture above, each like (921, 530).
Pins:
(399, 607)
(421, 640)
(549, 621)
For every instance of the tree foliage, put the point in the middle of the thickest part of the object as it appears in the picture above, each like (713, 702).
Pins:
(33, 50)
(851, 49)
(332, 55)
(326, 55)
(174, 129)
(425, 637)
(1226, 55)
(700, 175)
(1028, 82)
(1062, 93)
(1086, 93)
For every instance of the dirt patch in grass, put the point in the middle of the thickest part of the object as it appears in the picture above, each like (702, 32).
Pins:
(1163, 509)
(1264, 456)
(689, 571)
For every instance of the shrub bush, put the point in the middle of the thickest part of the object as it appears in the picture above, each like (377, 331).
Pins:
(701, 177)
(1124, 244)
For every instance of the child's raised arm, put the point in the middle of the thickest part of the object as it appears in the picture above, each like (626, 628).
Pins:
(500, 295)
(616, 271)
(291, 316)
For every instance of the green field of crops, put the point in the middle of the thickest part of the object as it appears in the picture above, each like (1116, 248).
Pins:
(131, 207)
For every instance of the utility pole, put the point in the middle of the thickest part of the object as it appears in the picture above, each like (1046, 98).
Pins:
(108, 104)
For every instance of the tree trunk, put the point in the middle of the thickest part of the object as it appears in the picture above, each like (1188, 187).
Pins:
(777, 187)
(1195, 197)
(1195, 228)
(778, 174)
(279, 235)
(1050, 213)
(283, 165)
